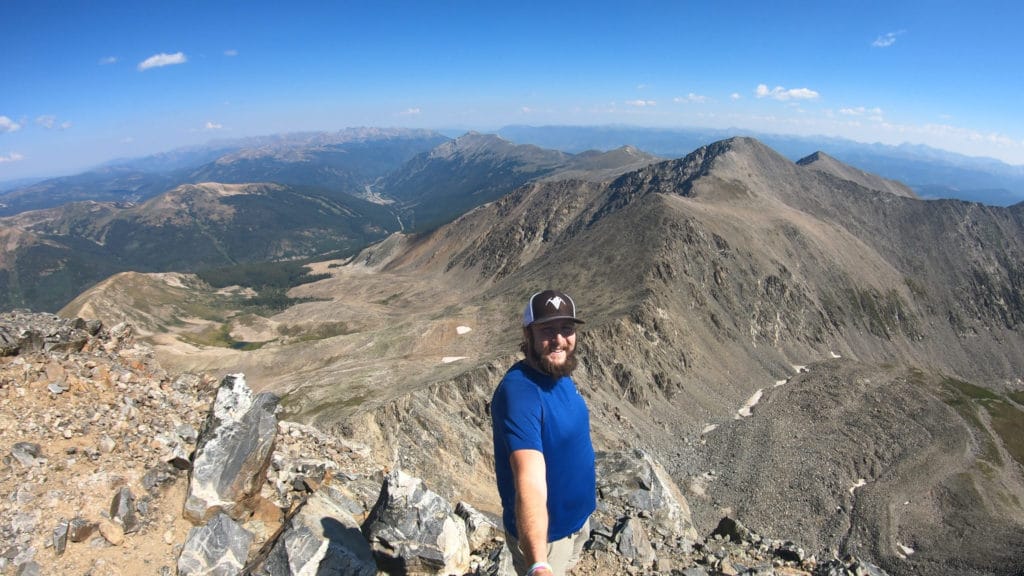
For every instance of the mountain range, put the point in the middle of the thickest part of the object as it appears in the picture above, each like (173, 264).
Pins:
(804, 346)
(290, 198)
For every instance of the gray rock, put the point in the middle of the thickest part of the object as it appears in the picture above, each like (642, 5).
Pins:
(634, 544)
(321, 538)
(234, 452)
(218, 548)
(80, 529)
(122, 510)
(633, 480)
(479, 528)
(26, 453)
(414, 531)
(30, 568)
(60, 538)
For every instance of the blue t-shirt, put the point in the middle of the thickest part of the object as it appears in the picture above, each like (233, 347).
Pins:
(532, 410)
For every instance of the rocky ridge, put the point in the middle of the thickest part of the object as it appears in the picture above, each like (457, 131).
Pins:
(98, 443)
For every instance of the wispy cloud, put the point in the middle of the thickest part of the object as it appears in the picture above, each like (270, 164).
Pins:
(161, 60)
(49, 121)
(526, 110)
(8, 125)
(12, 157)
(106, 60)
(410, 112)
(231, 52)
(691, 98)
(641, 103)
(862, 111)
(735, 96)
(213, 126)
(887, 39)
(780, 93)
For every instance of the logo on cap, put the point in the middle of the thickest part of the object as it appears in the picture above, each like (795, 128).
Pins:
(556, 302)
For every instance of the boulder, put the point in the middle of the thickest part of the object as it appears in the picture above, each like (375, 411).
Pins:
(633, 480)
(218, 548)
(321, 538)
(234, 451)
(414, 531)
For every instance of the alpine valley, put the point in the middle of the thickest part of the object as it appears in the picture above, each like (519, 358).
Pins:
(805, 347)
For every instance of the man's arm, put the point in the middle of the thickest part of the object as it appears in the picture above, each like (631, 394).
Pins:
(530, 473)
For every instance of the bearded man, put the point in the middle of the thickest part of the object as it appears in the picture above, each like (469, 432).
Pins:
(543, 455)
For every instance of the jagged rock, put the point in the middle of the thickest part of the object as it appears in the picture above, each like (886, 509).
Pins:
(634, 480)
(60, 538)
(479, 528)
(634, 544)
(414, 531)
(122, 510)
(26, 453)
(218, 548)
(321, 538)
(80, 529)
(234, 451)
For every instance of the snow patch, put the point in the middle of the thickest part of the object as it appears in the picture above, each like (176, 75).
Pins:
(798, 368)
(450, 359)
(708, 428)
(779, 383)
(745, 411)
(860, 482)
(904, 551)
(834, 355)
(463, 330)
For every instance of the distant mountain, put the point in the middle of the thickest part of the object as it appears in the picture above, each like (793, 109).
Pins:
(474, 169)
(52, 255)
(346, 161)
(930, 172)
(349, 165)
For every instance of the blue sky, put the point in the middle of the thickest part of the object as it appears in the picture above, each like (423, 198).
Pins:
(84, 82)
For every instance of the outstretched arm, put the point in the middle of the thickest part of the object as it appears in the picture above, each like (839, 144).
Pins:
(530, 473)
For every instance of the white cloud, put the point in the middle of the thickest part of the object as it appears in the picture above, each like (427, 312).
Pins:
(526, 110)
(160, 60)
(410, 112)
(231, 52)
(691, 98)
(108, 60)
(8, 125)
(861, 111)
(49, 121)
(12, 157)
(641, 103)
(780, 93)
(886, 40)
(735, 96)
(642, 86)
(213, 126)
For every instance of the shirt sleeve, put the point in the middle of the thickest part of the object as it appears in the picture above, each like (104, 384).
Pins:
(519, 423)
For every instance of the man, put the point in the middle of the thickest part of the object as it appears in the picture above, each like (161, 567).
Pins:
(543, 456)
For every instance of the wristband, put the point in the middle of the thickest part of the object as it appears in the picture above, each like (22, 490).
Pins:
(538, 566)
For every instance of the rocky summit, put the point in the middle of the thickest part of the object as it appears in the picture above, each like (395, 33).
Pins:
(113, 466)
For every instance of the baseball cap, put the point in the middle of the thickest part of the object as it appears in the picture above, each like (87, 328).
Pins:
(549, 305)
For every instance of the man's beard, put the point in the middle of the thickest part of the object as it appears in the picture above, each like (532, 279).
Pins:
(554, 370)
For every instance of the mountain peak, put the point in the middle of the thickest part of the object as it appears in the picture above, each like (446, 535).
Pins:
(821, 162)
